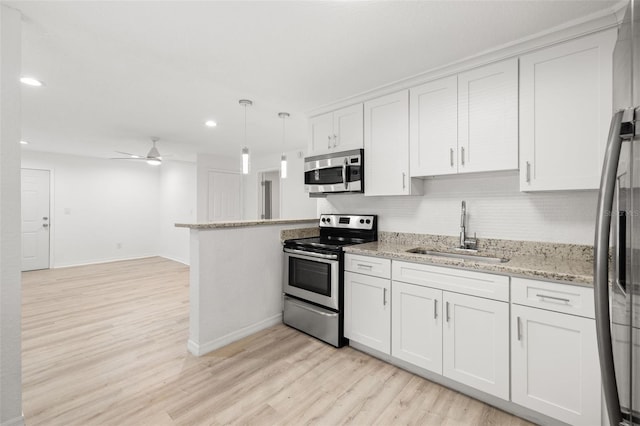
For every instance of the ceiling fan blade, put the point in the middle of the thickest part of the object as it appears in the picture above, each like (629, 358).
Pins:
(128, 158)
(129, 154)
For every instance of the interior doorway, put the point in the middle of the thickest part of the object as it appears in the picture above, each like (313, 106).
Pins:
(35, 219)
(269, 194)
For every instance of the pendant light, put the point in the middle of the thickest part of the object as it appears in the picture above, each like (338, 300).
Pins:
(283, 157)
(245, 150)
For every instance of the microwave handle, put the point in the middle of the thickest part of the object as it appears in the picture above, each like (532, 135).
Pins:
(344, 174)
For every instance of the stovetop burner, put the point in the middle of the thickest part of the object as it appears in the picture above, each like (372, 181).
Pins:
(337, 231)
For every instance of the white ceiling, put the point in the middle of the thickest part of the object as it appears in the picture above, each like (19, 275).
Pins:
(117, 73)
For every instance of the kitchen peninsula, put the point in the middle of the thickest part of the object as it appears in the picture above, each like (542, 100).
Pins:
(235, 282)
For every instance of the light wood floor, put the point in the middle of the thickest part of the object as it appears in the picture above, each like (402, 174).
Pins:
(106, 345)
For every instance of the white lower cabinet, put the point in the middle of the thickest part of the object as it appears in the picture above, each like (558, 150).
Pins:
(416, 324)
(476, 343)
(367, 318)
(554, 365)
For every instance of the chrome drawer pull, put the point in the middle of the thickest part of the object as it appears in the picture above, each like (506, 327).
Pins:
(448, 312)
(361, 266)
(519, 329)
(561, 299)
(384, 297)
(435, 308)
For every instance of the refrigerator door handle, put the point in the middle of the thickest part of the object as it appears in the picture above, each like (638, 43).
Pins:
(601, 268)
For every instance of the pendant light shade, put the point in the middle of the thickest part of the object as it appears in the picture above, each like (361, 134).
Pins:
(245, 150)
(283, 157)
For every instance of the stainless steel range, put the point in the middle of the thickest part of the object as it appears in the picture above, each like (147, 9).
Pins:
(314, 275)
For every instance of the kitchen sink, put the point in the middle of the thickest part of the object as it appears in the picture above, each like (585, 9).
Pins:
(471, 257)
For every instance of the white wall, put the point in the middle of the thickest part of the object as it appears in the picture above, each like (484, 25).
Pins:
(495, 209)
(10, 300)
(102, 210)
(177, 205)
(294, 202)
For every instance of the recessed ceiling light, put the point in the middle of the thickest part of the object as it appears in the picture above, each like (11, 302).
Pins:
(210, 123)
(30, 81)
(24, 143)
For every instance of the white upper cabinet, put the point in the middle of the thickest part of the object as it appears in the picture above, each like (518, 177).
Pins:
(340, 130)
(565, 108)
(434, 128)
(466, 123)
(386, 145)
(488, 118)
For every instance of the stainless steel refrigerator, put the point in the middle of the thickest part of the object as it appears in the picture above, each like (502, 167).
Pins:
(617, 240)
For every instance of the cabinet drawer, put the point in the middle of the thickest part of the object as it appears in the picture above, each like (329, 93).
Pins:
(569, 299)
(369, 265)
(490, 286)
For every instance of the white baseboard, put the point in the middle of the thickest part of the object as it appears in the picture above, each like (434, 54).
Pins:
(204, 348)
(175, 259)
(98, 261)
(17, 421)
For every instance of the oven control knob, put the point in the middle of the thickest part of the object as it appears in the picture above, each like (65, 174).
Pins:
(328, 219)
(323, 219)
(368, 221)
(361, 220)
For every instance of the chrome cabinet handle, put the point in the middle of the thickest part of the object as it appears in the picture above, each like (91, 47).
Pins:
(329, 142)
(528, 173)
(519, 326)
(451, 156)
(435, 308)
(561, 299)
(335, 141)
(45, 225)
(384, 297)
(45, 218)
(362, 266)
(462, 155)
(447, 306)
(404, 176)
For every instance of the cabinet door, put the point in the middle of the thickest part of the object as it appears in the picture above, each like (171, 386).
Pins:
(476, 343)
(417, 325)
(488, 118)
(554, 365)
(386, 145)
(565, 108)
(321, 134)
(367, 311)
(348, 128)
(434, 128)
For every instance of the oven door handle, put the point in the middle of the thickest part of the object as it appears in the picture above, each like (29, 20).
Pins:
(311, 254)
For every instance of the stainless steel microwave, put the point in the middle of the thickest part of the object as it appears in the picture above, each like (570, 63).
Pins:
(334, 172)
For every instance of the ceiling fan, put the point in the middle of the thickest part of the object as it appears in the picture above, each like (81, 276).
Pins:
(153, 157)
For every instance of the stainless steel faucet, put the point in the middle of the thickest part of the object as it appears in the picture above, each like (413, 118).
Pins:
(466, 243)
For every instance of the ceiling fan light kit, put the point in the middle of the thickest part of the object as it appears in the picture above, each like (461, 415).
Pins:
(153, 157)
(245, 150)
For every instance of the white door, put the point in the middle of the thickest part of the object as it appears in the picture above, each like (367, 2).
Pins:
(476, 343)
(488, 118)
(224, 196)
(416, 325)
(367, 311)
(35, 219)
(321, 138)
(554, 365)
(565, 108)
(386, 145)
(434, 128)
(348, 128)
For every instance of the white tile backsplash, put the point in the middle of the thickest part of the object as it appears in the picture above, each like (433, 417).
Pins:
(495, 209)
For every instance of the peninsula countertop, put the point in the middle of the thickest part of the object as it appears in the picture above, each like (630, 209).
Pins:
(244, 223)
(572, 264)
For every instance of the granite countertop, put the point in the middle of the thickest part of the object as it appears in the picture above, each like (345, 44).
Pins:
(243, 223)
(569, 263)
